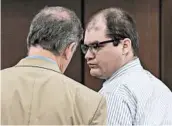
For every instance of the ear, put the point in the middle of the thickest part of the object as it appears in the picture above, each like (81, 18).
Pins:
(127, 46)
(69, 51)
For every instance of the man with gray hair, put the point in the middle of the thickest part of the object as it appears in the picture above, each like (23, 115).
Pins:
(35, 91)
(134, 96)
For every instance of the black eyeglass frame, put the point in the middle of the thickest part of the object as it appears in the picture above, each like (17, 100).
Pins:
(97, 45)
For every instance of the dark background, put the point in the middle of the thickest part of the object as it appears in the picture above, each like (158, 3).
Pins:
(153, 19)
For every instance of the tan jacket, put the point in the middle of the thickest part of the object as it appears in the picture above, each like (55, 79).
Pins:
(35, 92)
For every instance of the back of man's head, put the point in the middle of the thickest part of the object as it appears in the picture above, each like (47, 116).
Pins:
(54, 28)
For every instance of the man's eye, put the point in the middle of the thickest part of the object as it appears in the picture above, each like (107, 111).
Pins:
(96, 46)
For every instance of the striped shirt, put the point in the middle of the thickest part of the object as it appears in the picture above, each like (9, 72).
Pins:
(135, 97)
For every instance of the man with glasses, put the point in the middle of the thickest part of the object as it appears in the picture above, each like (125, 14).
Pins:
(134, 96)
(35, 91)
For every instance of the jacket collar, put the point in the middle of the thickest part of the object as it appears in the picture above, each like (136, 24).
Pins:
(40, 63)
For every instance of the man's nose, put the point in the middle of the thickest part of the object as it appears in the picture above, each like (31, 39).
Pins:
(89, 55)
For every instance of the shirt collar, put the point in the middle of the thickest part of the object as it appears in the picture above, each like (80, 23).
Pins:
(39, 61)
(129, 67)
(42, 57)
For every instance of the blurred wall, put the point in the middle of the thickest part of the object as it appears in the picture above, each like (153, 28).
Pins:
(153, 19)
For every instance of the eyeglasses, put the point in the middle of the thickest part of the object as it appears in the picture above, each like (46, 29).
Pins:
(96, 46)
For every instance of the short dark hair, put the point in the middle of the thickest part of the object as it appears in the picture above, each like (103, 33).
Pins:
(54, 32)
(120, 25)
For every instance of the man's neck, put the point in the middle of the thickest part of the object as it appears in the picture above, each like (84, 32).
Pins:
(39, 51)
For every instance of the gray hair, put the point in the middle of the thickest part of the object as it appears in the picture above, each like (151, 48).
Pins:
(54, 28)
